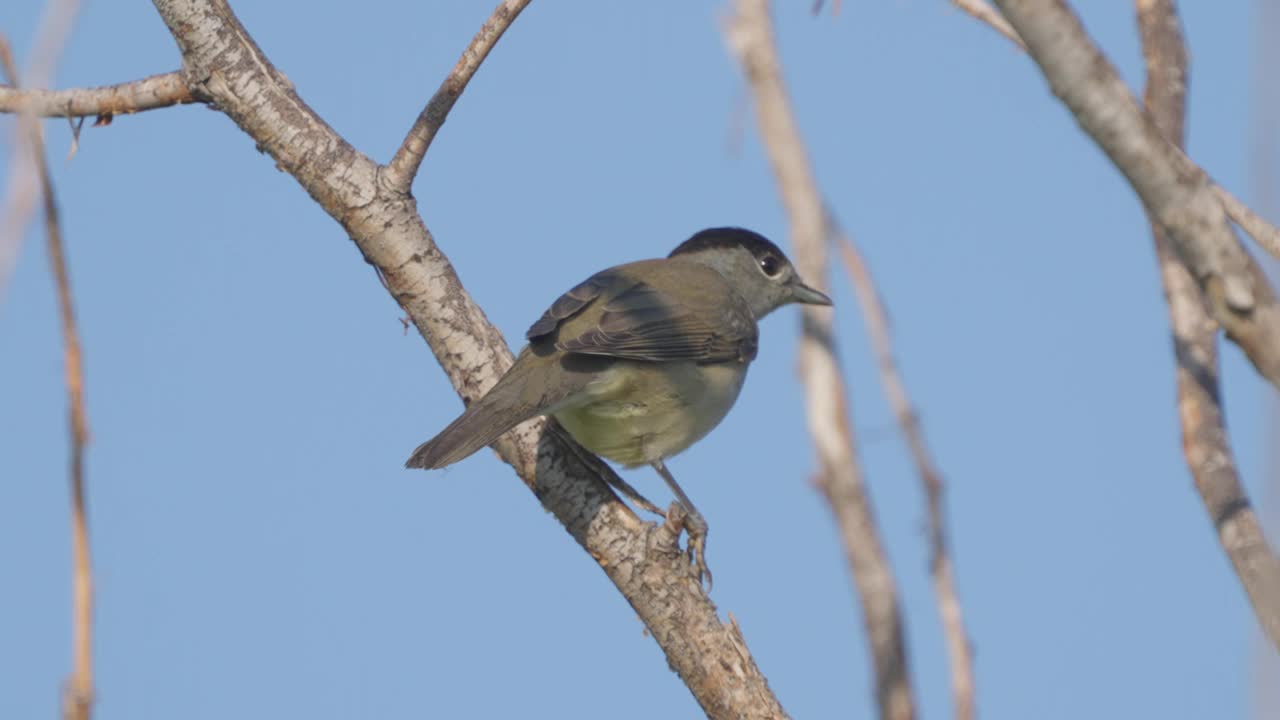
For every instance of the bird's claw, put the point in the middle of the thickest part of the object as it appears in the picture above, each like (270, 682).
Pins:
(696, 546)
(697, 552)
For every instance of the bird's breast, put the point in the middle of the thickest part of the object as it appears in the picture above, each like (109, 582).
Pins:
(637, 412)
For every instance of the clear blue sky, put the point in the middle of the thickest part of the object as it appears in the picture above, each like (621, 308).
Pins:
(260, 551)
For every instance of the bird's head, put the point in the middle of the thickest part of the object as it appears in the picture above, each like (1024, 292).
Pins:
(761, 273)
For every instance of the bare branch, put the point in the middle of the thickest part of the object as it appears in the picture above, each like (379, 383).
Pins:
(223, 66)
(959, 652)
(750, 36)
(1175, 192)
(151, 93)
(78, 695)
(404, 166)
(1204, 436)
(981, 11)
(77, 701)
(1263, 232)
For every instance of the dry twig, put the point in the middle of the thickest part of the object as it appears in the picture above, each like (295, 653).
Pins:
(404, 166)
(981, 11)
(1204, 435)
(1263, 232)
(77, 701)
(78, 695)
(959, 652)
(750, 36)
(150, 93)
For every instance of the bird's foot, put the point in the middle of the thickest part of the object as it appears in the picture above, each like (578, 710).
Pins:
(696, 547)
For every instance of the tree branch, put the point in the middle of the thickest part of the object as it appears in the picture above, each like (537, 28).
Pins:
(750, 36)
(981, 11)
(1176, 193)
(404, 166)
(1204, 435)
(1263, 232)
(78, 694)
(77, 700)
(150, 93)
(959, 652)
(223, 66)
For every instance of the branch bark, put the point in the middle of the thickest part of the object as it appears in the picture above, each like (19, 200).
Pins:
(750, 36)
(941, 567)
(1177, 194)
(1204, 435)
(224, 67)
(150, 93)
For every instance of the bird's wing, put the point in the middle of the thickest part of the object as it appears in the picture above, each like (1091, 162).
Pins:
(707, 323)
(570, 304)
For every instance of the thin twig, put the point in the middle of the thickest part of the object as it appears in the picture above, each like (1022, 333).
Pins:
(941, 567)
(77, 701)
(1205, 441)
(750, 36)
(404, 166)
(1263, 232)
(981, 11)
(149, 93)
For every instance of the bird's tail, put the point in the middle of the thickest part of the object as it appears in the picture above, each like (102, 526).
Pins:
(508, 404)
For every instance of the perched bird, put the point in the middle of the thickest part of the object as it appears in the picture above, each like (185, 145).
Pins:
(641, 360)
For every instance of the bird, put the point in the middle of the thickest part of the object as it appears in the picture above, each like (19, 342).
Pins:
(640, 361)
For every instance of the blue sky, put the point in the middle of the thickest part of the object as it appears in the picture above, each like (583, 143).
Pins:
(260, 552)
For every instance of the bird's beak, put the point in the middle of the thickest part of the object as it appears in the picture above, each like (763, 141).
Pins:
(804, 294)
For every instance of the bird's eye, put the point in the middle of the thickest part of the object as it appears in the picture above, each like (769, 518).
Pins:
(771, 265)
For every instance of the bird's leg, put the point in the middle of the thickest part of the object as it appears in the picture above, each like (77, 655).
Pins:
(695, 525)
(602, 469)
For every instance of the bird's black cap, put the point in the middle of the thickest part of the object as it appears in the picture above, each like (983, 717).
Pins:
(727, 237)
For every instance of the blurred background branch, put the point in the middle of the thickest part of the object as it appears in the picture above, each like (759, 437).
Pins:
(77, 700)
(941, 565)
(749, 33)
(1175, 192)
(1205, 441)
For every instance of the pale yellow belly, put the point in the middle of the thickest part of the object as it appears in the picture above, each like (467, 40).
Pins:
(636, 413)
